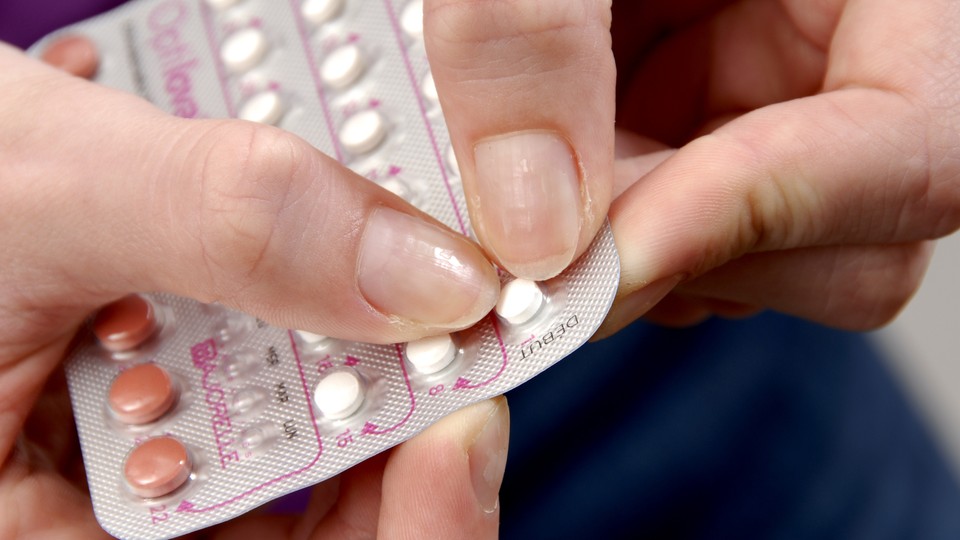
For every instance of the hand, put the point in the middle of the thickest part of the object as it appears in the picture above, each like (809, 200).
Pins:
(102, 195)
(817, 152)
(527, 91)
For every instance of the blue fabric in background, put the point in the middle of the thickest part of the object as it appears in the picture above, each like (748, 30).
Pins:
(767, 428)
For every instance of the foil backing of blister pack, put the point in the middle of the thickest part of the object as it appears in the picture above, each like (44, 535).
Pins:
(246, 411)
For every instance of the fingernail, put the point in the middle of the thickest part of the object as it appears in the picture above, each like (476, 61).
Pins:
(528, 203)
(417, 271)
(488, 456)
(631, 307)
(74, 54)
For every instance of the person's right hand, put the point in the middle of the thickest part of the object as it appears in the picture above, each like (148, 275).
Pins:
(102, 195)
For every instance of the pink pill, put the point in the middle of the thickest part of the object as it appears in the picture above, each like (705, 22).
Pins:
(125, 324)
(142, 394)
(157, 467)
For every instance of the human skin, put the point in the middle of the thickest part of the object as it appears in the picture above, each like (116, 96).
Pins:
(790, 155)
(785, 154)
(793, 155)
(93, 207)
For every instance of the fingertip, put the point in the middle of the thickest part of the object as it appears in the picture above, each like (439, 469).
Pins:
(420, 272)
(528, 207)
(528, 98)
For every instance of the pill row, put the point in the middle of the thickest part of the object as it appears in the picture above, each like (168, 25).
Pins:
(145, 394)
(344, 63)
(246, 48)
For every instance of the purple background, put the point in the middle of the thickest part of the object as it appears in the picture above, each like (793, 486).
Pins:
(22, 22)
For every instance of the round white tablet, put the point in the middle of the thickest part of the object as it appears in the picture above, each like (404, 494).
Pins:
(431, 354)
(429, 88)
(222, 4)
(244, 49)
(312, 340)
(452, 160)
(520, 301)
(411, 19)
(265, 107)
(343, 67)
(363, 131)
(338, 395)
(321, 11)
(397, 187)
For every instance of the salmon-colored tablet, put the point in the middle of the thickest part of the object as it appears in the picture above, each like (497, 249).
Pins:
(125, 324)
(142, 394)
(157, 467)
(76, 55)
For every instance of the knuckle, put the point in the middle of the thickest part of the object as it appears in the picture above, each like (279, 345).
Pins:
(247, 180)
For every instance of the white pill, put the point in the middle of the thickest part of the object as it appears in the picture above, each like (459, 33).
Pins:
(338, 395)
(244, 49)
(397, 187)
(429, 88)
(411, 19)
(452, 160)
(222, 4)
(343, 66)
(265, 108)
(363, 131)
(311, 339)
(431, 354)
(520, 301)
(321, 11)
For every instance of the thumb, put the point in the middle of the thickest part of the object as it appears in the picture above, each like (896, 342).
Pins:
(444, 483)
(103, 195)
(527, 89)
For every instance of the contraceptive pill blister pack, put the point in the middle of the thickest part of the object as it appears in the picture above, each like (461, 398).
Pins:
(191, 414)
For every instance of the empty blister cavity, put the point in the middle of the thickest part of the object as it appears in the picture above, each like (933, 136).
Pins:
(249, 402)
(240, 364)
(244, 49)
(432, 354)
(233, 327)
(339, 394)
(126, 324)
(265, 107)
(343, 66)
(320, 12)
(157, 467)
(363, 132)
(142, 394)
(520, 301)
(258, 439)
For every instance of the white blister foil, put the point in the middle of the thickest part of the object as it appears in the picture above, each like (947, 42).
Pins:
(264, 411)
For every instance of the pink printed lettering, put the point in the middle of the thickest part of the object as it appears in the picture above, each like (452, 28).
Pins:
(176, 58)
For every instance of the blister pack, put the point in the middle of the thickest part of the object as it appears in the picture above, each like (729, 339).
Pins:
(191, 414)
